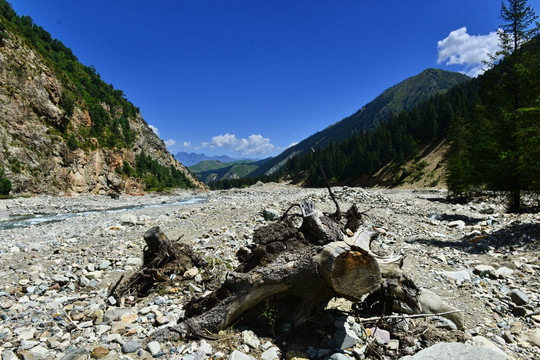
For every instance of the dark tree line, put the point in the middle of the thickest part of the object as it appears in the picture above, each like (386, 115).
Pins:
(497, 147)
(396, 140)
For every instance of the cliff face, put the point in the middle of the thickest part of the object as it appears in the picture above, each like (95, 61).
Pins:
(34, 133)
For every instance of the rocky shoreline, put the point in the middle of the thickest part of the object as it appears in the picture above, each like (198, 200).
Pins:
(55, 277)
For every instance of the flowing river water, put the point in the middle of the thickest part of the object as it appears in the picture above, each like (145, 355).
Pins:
(21, 221)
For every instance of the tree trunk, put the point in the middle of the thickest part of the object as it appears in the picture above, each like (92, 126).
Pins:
(287, 269)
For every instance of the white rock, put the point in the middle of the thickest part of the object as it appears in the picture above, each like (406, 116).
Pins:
(249, 338)
(128, 219)
(191, 273)
(101, 329)
(237, 355)
(104, 264)
(134, 261)
(459, 276)
(460, 224)
(95, 275)
(484, 342)
(271, 354)
(154, 347)
(504, 272)
(533, 337)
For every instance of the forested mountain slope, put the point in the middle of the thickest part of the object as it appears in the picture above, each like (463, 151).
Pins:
(403, 96)
(63, 130)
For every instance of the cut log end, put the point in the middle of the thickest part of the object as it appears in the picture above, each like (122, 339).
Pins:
(355, 273)
(350, 272)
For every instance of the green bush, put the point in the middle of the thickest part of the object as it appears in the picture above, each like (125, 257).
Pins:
(5, 186)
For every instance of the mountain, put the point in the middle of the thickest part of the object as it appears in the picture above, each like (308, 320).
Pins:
(63, 130)
(409, 149)
(215, 170)
(403, 96)
(189, 159)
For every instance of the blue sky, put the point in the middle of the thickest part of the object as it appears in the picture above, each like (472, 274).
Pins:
(249, 78)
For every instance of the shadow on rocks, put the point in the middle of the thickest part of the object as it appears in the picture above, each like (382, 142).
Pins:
(524, 236)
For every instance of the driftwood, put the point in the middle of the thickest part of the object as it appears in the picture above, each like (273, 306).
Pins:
(162, 259)
(292, 273)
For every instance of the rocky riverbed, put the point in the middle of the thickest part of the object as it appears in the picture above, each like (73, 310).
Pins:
(55, 277)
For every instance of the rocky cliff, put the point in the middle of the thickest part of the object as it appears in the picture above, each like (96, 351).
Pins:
(45, 148)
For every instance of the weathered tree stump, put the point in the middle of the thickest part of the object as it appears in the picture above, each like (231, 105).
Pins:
(295, 270)
(302, 269)
(161, 259)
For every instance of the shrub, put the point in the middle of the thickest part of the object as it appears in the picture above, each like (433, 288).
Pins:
(5, 186)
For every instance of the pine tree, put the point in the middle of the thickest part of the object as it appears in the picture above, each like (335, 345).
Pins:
(496, 137)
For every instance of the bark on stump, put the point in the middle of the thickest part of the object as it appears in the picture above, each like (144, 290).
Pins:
(298, 269)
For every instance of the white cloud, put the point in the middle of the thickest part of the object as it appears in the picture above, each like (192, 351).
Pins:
(170, 143)
(186, 144)
(154, 129)
(253, 145)
(460, 48)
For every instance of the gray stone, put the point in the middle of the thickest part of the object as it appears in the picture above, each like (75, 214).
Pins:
(443, 323)
(205, 348)
(154, 347)
(345, 337)
(134, 261)
(272, 353)
(518, 297)
(340, 356)
(380, 335)
(76, 354)
(487, 210)
(533, 337)
(270, 214)
(35, 247)
(104, 264)
(114, 314)
(128, 219)
(460, 224)
(202, 352)
(194, 288)
(504, 272)
(237, 355)
(191, 273)
(28, 344)
(484, 342)
(432, 303)
(249, 338)
(117, 338)
(39, 350)
(486, 271)
(459, 276)
(25, 333)
(60, 279)
(101, 329)
(456, 351)
(84, 281)
(9, 355)
(131, 347)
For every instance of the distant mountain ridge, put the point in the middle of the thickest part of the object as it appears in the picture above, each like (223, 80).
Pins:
(214, 170)
(189, 159)
(403, 96)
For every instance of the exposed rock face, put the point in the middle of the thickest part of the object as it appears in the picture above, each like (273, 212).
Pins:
(34, 152)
